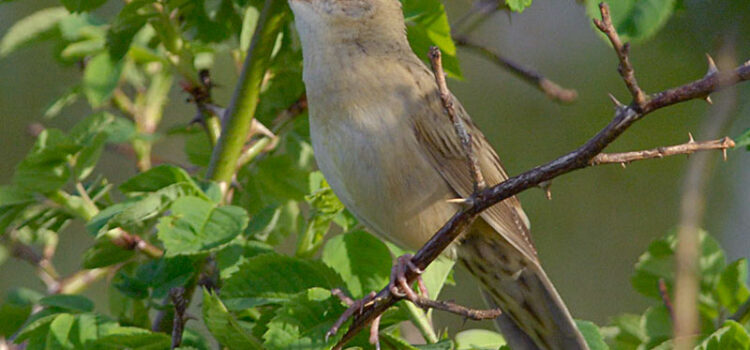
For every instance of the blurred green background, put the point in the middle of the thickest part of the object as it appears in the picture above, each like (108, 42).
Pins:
(599, 220)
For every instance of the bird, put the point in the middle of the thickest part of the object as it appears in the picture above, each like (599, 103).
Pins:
(387, 147)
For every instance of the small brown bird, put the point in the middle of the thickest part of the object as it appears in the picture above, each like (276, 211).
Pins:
(389, 151)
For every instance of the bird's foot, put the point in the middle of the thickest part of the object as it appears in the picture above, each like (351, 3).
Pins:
(354, 307)
(399, 285)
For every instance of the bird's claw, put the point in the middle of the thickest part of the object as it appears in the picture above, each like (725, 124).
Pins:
(399, 285)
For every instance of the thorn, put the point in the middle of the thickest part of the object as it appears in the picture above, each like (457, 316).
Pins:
(724, 153)
(708, 100)
(458, 201)
(624, 165)
(690, 135)
(616, 102)
(545, 185)
(711, 65)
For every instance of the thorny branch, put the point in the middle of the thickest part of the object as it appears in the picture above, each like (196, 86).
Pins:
(580, 158)
(623, 50)
(447, 99)
(661, 152)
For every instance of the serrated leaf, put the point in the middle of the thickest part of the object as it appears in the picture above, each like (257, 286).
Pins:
(730, 336)
(273, 278)
(70, 302)
(155, 179)
(36, 27)
(46, 167)
(657, 325)
(230, 258)
(427, 25)
(198, 226)
(100, 78)
(731, 289)
(362, 260)
(126, 25)
(635, 20)
(657, 263)
(591, 334)
(303, 320)
(627, 332)
(134, 338)
(224, 326)
(479, 339)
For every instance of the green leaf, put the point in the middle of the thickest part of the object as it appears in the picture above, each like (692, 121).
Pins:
(70, 302)
(325, 206)
(230, 258)
(362, 260)
(731, 336)
(731, 290)
(158, 275)
(126, 25)
(658, 263)
(82, 5)
(134, 338)
(628, 333)
(518, 5)
(635, 20)
(275, 222)
(743, 140)
(197, 226)
(100, 78)
(479, 339)
(155, 179)
(592, 336)
(272, 278)
(12, 195)
(657, 325)
(427, 25)
(46, 167)
(65, 100)
(36, 27)
(302, 321)
(105, 253)
(224, 326)
(59, 332)
(16, 309)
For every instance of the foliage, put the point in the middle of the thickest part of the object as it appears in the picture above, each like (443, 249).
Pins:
(169, 228)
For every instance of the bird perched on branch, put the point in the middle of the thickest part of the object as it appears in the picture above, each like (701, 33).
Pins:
(389, 151)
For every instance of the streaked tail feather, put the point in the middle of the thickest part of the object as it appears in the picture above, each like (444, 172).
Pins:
(534, 315)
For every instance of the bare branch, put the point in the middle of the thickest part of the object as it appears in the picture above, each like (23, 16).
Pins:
(580, 158)
(550, 88)
(661, 152)
(454, 308)
(622, 50)
(447, 98)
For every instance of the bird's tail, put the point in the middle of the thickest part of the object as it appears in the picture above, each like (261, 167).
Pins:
(534, 316)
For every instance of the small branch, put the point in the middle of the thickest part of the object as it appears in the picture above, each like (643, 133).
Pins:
(241, 111)
(548, 87)
(623, 50)
(447, 98)
(177, 295)
(133, 242)
(454, 308)
(661, 152)
(580, 158)
(82, 280)
(664, 293)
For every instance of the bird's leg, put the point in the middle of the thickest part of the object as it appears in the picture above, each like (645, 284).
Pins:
(399, 285)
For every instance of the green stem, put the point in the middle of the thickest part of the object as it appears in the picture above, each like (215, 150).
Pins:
(241, 111)
(75, 205)
(253, 151)
(419, 319)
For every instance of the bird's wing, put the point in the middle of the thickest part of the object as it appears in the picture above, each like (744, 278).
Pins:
(436, 134)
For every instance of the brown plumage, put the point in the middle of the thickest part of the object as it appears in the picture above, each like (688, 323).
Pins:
(390, 153)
